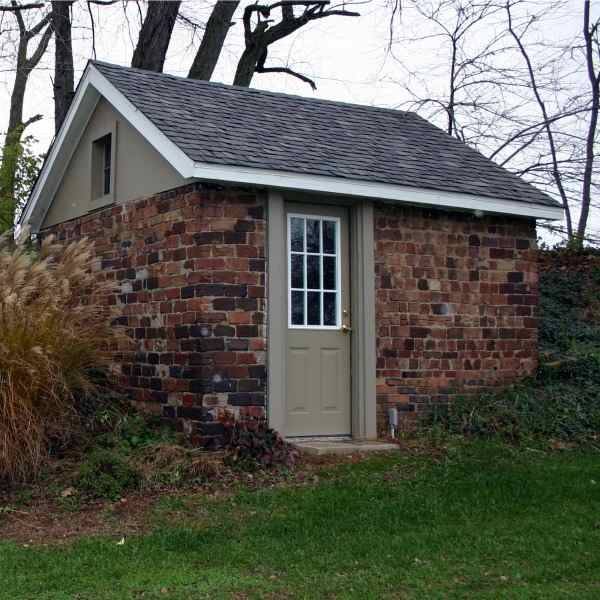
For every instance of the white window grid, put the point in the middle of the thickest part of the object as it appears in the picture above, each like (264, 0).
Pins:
(321, 254)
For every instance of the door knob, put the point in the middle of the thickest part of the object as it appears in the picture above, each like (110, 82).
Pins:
(346, 328)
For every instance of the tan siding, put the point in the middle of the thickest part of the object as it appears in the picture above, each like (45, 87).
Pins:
(139, 170)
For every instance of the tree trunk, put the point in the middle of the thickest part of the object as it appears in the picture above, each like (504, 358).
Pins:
(155, 35)
(215, 33)
(594, 79)
(247, 65)
(63, 61)
(12, 149)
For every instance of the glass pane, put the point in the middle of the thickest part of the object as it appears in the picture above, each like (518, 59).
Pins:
(313, 306)
(329, 237)
(329, 282)
(329, 308)
(313, 272)
(297, 234)
(297, 308)
(313, 235)
(107, 148)
(298, 270)
(106, 185)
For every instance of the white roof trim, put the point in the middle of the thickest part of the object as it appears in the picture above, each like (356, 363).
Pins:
(374, 190)
(93, 85)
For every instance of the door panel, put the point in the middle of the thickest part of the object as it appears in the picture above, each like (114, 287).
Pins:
(318, 337)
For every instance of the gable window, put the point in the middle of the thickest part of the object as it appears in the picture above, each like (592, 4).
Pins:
(101, 166)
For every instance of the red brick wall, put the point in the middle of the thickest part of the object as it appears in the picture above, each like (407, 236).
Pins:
(456, 305)
(456, 301)
(190, 270)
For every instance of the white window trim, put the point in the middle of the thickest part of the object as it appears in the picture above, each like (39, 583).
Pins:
(305, 290)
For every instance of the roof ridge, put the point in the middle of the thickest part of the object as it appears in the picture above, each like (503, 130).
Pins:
(244, 89)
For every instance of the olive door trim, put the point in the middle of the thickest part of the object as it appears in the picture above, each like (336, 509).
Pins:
(362, 276)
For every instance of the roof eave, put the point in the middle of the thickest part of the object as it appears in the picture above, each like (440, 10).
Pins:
(373, 190)
(94, 85)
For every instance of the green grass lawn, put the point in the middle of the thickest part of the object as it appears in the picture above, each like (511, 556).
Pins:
(484, 522)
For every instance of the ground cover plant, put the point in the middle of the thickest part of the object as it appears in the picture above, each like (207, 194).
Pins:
(475, 520)
(569, 297)
(561, 404)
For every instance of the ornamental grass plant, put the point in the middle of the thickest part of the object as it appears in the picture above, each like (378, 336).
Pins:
(54, 330)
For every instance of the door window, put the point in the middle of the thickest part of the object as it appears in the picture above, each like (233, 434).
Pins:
(314, 293)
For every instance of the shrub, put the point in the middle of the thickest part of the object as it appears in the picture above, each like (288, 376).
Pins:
(561, 403)
(105, 474)
(569, 306)
(252, 443)
(172, 465)
(49, 340)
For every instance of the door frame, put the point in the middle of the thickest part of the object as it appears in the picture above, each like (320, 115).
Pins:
(362, 277)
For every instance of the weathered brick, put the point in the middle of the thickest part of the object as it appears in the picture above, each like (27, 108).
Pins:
(191, 289)
(453, 306)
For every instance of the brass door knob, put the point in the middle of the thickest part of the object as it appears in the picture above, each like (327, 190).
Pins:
(346, 328)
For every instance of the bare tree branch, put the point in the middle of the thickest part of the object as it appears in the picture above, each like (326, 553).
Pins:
(547, 123)
(19, 7)
(264, 33)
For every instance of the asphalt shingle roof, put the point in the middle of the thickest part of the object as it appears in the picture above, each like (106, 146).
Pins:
(230, 125)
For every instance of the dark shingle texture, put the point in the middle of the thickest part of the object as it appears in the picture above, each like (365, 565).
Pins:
(229, 125)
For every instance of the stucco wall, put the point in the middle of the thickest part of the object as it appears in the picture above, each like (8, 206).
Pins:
(456, 305)
(139, 170)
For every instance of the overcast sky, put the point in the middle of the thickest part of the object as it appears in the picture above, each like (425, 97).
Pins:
(345, 56)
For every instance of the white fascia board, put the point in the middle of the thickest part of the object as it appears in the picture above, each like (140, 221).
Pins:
(92, 86)
(176, 157)
(82, 107)
(373, 190)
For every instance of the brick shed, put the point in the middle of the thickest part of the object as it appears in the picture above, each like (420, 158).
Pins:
(311, 262)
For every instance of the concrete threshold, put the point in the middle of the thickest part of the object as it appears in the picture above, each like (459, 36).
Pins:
(323, 446)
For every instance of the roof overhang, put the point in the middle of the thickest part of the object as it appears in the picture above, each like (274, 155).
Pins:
(94, 85)
(374, 190)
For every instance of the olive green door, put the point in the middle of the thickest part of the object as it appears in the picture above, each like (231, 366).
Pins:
(318, 321)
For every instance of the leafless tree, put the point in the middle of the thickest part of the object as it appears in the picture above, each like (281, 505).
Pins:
(264, 32)
(260, 32)
(578, 149)
(25, 63)
(158, 20)
(513, 91)
(464, 67)
(592, 58)
(20, 7)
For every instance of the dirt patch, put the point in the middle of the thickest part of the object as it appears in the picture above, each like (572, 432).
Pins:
(48, 522)
(43, 514)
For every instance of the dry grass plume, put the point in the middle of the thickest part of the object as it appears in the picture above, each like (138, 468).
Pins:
(53, 329)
